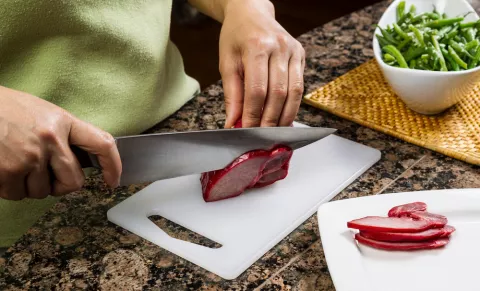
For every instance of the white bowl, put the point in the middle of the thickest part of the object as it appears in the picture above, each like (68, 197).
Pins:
(428, 92)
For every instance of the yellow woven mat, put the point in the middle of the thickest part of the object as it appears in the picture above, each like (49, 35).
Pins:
(363, 96)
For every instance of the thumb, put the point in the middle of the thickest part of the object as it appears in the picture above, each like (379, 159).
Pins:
(100, 143)
(233, 90)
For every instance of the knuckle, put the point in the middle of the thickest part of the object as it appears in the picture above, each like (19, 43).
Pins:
(259, 43)
(302, 50)
(252, 118)
(299, 46)
(74, 184)
(223, 67)
(270, 120)
(108, 142)
(14, 169)
(48, 135)
(32, 156)
(258, 89)
(280, 90)
(296, 90)
(283, 40)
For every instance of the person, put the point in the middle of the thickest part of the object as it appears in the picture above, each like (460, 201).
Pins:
(76, 73)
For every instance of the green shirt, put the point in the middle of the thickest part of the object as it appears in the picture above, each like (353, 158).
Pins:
(108, 62)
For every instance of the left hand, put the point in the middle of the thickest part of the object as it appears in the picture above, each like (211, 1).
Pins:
(261, 66)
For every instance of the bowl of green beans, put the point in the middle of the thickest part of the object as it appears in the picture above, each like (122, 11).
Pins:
(429, 52)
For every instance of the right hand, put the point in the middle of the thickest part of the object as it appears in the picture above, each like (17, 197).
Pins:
(35, 155)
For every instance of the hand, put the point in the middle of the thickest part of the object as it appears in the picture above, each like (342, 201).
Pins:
(35, 155)
(261, 66)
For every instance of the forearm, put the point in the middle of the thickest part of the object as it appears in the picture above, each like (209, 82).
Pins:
(217, 9)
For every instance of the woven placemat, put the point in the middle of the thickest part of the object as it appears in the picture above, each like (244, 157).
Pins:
(364, 96)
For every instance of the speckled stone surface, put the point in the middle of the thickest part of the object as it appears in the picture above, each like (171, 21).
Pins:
(74, 247)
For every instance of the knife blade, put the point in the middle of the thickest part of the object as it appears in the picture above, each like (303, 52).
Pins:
(152, 157)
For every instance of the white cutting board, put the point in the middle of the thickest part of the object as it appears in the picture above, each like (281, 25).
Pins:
(251, 224)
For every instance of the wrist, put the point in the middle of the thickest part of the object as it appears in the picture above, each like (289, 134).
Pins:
(232, 6)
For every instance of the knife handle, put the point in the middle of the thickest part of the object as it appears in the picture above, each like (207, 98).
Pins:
(86, 159)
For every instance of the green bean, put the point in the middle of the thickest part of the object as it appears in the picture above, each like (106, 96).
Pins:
(388, 36)
(418, 34)
(413, 64)
(400, 10)
(456, 58)
(422, 66)
(397, 54)
(420, 17)
(452, 62)
(442, 32)
(452, 33)
(413, 9)
(469, 34)
(443, 22)
(444, 16)
(414, 52)
(404, 18)
(404, 43)
(457, 47)
(443, 65)
(432, 57)
(472, 44)
(389, 58)
(469, 24)
(436, 65)
(382, 41)
(473, 63)
(400, 32)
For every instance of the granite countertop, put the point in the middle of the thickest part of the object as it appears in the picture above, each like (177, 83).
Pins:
(74, 247)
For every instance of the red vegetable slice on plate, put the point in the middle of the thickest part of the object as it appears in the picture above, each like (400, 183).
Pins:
(405, 209)
(448, 230)
(405, 236)
(389, 224)
(402, 246)
(436, 220)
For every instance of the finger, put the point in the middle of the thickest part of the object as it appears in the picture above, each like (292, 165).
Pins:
(67, 171)
(295, 89)
(233, 88)
(256, 84)
(38, 183)
(277, 89)
(101, 144)
(13, 189)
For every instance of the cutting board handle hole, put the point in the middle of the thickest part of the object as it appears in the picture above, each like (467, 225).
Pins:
(179, 232)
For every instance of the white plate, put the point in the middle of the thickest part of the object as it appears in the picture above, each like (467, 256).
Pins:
(360, 268)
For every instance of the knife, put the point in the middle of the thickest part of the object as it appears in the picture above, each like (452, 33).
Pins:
(152, 157)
